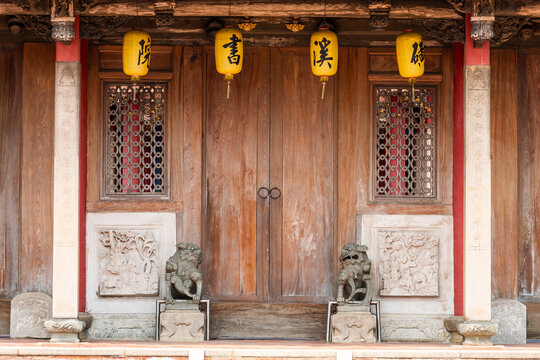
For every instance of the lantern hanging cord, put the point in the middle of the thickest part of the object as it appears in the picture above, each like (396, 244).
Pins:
(324, 14)
(413, 98)
(228, 88)
(324, 79)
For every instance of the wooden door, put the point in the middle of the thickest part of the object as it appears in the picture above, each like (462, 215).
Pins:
(237, 165)
(302, 167)
(274, 254)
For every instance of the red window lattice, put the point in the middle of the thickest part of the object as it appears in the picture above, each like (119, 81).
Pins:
(405, 143)
(135, 139)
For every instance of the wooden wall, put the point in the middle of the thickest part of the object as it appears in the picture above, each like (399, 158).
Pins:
(10, 168)
(529, 175)
(26, 158)
(504, 173)
(37, 167)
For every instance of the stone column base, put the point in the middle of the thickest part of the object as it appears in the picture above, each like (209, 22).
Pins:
(64, 330)
(181, 325)
(451, 325)
(352, 327)
(477, 332)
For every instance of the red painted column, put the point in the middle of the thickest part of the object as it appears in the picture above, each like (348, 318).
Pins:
(458, 177)
(82, 179)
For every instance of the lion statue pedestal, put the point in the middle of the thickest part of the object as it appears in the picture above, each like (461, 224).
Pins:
(182, 319)
(353, 321)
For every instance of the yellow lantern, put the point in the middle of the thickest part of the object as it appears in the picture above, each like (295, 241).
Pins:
(136, 54)
(229, 49)
(324, 54)
(410, 55)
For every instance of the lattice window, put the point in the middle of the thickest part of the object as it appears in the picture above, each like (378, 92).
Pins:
(405, 143)
(134, 161)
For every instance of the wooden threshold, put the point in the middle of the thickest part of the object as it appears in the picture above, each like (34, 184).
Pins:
(262, 321)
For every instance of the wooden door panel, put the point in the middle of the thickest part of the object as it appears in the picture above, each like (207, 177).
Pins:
(302, 166)
(236, 166)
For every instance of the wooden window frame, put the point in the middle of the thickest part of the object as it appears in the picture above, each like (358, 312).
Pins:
(166, 136)
(399, 83)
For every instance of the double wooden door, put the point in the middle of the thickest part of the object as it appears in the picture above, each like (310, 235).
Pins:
(269, 182)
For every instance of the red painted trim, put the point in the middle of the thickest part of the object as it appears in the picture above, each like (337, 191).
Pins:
(71, 52)
(458, 170)
(82, 178)
(474, 56)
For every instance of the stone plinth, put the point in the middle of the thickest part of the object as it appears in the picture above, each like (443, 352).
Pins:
(28, 313)
(353, 327)
(185, 325)
(65, 330)
(511, 317)
(451, 325)
(477, 332)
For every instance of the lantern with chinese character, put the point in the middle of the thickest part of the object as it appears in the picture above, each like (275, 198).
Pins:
(410, 55)
(229, 49)
(136, 54)
(324, 54)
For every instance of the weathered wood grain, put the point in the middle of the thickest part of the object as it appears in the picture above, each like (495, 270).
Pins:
(10, 170)
(353, 86)
(533, 320)
(94, 124)
(268, 321)
(233, 169)
(192, 151)
(504, 173)
(37, 167)
(303, 168)
(5, 315)
(529, 173)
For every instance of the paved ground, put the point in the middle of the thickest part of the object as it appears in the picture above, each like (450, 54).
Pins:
(221, 350)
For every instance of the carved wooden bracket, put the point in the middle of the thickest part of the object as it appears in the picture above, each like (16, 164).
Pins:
(379, 13)
(459, 5)
(164, 11)
(63, 20)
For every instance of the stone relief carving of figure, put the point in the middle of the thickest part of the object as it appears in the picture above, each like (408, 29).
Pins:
(354, 280)
(183, 280)
(409, 263)
(128, 264)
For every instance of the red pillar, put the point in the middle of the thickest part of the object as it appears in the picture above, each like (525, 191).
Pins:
(82, 179)
(458, 177)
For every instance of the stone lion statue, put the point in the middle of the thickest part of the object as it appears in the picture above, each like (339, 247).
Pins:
(183, 280)
(354, 281)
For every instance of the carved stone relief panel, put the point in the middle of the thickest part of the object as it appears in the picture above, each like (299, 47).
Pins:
(128, 263)
(126, 255)
(409, 262)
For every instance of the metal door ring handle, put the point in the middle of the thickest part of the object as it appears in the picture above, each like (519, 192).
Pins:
(263, 192)
(273, 194)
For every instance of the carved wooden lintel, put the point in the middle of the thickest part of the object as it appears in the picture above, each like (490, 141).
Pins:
(29, 5)
(95, 27)
(379, 13)
(39, 25)
(449, 31)
(506, 28)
